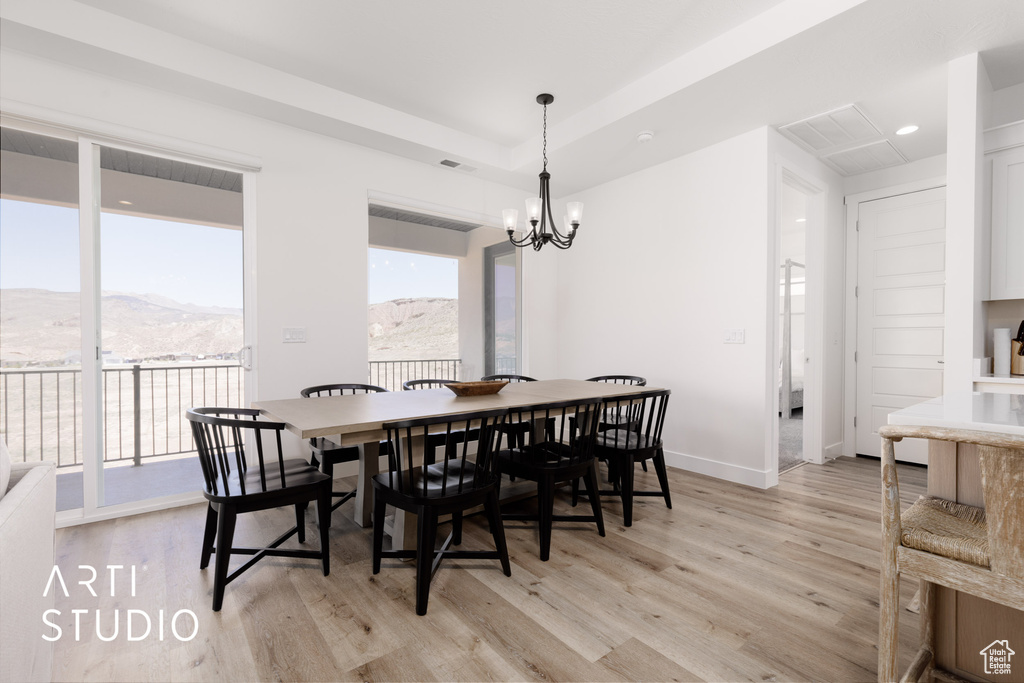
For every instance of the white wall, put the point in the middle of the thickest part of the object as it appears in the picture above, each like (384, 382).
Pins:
(1007, 106)
(668, 259)
(311, 211)
(967, 274)
(923, 169)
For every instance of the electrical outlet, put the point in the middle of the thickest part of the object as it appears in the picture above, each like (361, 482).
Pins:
(294, 335)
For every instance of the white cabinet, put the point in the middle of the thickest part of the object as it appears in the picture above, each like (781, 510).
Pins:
(1008, 223)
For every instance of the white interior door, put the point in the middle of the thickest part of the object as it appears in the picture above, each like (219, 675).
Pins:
(900, 312)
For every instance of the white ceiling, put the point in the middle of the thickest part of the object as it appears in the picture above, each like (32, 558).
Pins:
(457, 79)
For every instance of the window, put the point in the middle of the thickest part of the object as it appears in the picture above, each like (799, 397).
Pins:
(413, 330)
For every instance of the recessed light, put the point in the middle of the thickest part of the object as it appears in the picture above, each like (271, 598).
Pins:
(801, 220)
(124, 201)
(906, 130)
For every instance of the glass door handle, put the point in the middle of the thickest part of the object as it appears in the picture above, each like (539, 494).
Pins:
(245, 357)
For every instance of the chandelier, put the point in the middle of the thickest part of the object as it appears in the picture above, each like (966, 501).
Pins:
(538, 209)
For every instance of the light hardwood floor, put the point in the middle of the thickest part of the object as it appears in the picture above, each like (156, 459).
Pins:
(733, 584)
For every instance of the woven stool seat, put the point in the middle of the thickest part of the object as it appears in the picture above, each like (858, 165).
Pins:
(942, 527)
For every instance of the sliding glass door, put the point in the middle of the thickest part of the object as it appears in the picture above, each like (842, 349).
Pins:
(40, 306)
(170, 235)
(116, 318)
(502, 337)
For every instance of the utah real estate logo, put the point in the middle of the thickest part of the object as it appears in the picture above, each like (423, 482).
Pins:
(997, 657)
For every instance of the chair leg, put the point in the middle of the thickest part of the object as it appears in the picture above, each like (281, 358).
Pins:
(492, 507)
(327, 467)
(225, 537)
(208, 536)
(425, 542)
(575, 492)
(614, 476)
(659, 467)
(545, 512)
(643, 463)
(889, 621)
(595, 497)
(457, 528)
(379, 509)
(323, 512)
(626, 491)
(927, 613)
(300, 520)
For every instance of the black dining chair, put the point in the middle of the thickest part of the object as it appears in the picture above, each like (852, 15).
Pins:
(634, 437)
(244, 471)
(628, 380)
(557, 450)
(620, 379)
(416, 482)
(507, 378)
(413, 384)
(515, 431)
(325, 453)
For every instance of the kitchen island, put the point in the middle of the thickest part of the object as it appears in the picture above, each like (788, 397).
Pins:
(964, 624)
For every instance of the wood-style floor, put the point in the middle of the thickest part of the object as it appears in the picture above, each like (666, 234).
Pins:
(732, 584)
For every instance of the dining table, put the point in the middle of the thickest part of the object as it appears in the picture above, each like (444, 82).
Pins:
(358, 419)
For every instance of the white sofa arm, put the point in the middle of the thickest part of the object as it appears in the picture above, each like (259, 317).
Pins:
(27, 532)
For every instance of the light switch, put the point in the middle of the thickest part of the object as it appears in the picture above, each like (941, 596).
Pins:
(735, 336)
(294, 335)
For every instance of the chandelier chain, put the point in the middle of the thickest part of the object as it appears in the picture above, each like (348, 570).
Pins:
(545, 137)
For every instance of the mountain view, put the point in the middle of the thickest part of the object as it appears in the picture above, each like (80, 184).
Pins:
(409, 329)
(42, 327)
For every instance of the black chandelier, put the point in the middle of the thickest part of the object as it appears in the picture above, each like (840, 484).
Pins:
(538, 209)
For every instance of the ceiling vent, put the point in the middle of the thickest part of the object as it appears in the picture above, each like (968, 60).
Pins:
(869, 157)
(839, 128)
(458, 165)
(846, 140)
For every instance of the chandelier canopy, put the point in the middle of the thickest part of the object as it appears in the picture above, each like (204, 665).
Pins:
(538, 209)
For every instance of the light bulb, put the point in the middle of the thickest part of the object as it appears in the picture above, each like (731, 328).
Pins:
(533, 209)
(575, 211)
(510, 218)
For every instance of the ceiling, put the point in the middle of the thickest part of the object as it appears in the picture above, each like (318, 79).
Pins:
(457, 79)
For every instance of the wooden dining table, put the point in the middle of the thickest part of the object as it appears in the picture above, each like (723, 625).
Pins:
(358, 419)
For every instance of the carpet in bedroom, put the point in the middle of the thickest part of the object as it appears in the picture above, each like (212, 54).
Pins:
(791, 440)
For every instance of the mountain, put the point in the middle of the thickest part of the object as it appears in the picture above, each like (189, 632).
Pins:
(38, 325)
(408, 329)
(41, 326)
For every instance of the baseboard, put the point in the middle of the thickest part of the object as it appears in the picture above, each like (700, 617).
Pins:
(720, 470)
(834, 451)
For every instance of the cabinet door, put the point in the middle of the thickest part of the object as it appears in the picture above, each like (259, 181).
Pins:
(1008, 224)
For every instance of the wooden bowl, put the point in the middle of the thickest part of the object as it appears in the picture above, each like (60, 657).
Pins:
(476, 388)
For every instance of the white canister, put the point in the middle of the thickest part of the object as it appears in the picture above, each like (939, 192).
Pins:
(1001, 351)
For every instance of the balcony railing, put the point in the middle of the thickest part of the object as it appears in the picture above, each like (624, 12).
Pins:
(391, 373)
(41, 409)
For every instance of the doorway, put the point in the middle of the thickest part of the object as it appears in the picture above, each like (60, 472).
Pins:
(900, 295)
(118, 316)
(792, 343)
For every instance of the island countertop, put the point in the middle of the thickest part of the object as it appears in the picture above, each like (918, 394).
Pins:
(980, 411)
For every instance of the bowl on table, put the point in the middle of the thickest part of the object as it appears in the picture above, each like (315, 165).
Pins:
(476, 388)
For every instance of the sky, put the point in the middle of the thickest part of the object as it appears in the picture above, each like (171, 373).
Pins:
(400, 274)
(188, 263)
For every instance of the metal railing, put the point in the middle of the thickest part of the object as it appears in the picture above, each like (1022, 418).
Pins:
(391, 373)
(41, 409)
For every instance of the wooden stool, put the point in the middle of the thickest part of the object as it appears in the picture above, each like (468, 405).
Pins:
(969, 549)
